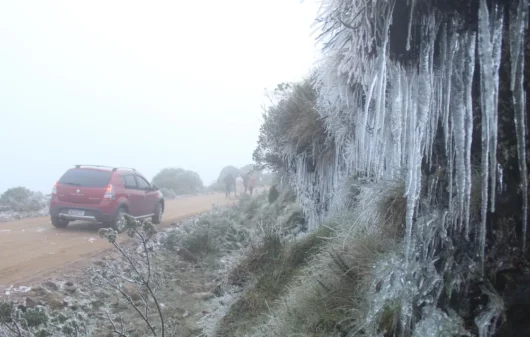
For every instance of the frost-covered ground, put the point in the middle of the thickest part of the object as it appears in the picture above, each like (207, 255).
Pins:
(194, 259)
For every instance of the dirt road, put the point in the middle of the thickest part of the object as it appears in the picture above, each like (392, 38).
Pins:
(32, 248)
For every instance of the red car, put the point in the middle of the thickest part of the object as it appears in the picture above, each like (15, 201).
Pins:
(104, 194)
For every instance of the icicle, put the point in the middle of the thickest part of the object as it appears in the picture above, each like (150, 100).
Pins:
(411, 179)
(457, 127)
(379, 104)
(497, 23)
(450, 49)
(396, 126)
(419, 113)
(409, 34)
(448, 61)
(500, 181)
(518, 22)
(468, 85)
(362, 137)
(518, 25)
(484, 48)
(404, 111)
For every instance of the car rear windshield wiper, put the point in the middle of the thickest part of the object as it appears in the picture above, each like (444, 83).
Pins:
(70, 183)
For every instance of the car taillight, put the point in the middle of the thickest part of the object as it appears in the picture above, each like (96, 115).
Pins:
(109, 192)
(54, 189)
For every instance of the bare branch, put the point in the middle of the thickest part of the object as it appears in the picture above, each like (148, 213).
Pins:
(145, 302)
(144, 244)
(128, 260)
(139, 276)
(129, 300)
(13, 330)
(17, 327)
(158, 308)
(121, 334)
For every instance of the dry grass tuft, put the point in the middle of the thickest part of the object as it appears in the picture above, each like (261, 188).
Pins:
(272, 267)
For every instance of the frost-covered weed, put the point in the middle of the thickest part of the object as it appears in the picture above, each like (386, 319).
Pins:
(39, 321)
(137, 281)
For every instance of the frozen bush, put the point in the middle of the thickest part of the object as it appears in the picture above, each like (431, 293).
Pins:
(209, 234)
(179, 181)
(21, 199)
(39, 322)
(168, 193)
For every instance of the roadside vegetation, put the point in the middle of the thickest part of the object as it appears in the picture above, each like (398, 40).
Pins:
(20, 202)
(176, 181)
(264, 177)
(172, 282)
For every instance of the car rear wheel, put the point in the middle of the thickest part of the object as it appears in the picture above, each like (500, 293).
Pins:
(59, 223)
(119, 222)
(159, 211)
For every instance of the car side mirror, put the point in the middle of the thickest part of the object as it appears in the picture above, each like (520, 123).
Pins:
(154, 188)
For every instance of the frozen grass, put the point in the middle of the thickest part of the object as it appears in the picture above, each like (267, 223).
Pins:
(316, 285)
(271, 267)
(243, 226)
(328, 299)
(327, 295)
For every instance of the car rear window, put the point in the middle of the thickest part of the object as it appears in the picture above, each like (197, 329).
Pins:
(86, 178)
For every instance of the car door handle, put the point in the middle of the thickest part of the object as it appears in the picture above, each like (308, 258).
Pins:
(128, 195)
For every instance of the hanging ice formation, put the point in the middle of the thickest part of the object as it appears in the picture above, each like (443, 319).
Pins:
(386, 114)
(518, 26)
(400, 106)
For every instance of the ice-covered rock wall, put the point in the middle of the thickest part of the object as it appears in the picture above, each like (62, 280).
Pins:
(411, 88)
(386, 114)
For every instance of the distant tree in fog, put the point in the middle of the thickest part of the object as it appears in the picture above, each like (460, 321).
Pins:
(178, 180)
(228, 169)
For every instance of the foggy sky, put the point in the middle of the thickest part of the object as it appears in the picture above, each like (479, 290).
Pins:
(147, 84)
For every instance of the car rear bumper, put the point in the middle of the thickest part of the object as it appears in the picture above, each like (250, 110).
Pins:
(90, 214)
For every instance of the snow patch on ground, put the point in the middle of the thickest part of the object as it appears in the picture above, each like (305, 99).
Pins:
(21, 289)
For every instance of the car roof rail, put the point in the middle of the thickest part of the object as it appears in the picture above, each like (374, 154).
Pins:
(114, 168)
(88, 165)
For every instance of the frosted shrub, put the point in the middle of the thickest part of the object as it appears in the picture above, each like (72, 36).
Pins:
(21, 199)
(168, 193)
(140, 273)
(39, 322)
(214, 232)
